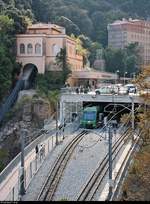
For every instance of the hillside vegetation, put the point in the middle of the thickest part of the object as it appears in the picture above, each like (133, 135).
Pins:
(137, 184)
(87, 19)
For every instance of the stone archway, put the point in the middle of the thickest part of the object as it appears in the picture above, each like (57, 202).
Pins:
(29, 75)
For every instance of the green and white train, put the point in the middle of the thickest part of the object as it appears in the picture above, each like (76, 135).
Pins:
(92, 117)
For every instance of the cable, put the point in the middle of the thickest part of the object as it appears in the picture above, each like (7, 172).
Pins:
(86, 147)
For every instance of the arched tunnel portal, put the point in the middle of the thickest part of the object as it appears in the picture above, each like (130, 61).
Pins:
(29, 76)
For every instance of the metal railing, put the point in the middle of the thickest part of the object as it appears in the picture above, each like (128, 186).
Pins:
(11, 99)
(22, 83)
(10, 176)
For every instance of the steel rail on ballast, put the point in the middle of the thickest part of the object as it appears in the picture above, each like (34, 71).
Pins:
(50, 186)
(90, 188)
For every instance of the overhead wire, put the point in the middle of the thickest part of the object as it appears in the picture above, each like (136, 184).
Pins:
(100, 139)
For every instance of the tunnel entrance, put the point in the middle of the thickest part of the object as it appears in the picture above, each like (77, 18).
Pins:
(29, 76)
(111, 109)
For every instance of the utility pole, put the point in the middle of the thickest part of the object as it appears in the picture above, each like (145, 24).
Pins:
(22, 187)
(57, 123)
(133, 118)
(110, 162)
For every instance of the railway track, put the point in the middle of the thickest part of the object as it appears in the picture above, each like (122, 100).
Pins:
(89, 190)
(123, 168)
(58, 168)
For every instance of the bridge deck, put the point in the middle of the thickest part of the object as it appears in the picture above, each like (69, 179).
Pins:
(100, 98)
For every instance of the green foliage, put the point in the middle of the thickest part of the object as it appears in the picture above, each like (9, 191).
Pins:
(3, 158)
(70, 26)
(124, 60)
(15, 15)
(54, 80)
(18, 106)
(6, 64)
(114, 59)
(5, 71)
(62, 63)
(89, 17)
(84, 18)
(53, 97)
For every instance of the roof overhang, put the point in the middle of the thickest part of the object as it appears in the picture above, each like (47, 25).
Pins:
(92, 74)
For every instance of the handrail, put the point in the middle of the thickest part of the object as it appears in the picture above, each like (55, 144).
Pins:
(11, 99)
(20, 85)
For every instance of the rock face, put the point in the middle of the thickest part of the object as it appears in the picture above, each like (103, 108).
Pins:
(29, 114)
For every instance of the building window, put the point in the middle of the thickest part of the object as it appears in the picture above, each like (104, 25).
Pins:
(55, 49)
(37, 48)
(22, 49)
(29, 49)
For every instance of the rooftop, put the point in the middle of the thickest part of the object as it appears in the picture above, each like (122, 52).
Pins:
(44, 26)
(47, 27)
(129, 21)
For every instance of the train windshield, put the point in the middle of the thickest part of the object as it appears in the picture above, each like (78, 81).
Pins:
(89, 116)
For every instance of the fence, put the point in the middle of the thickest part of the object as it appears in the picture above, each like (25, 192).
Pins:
(10, 176)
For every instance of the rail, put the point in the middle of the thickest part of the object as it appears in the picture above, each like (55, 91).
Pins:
(55, 174)
(90, 188)
(124, 168)
(10, 176)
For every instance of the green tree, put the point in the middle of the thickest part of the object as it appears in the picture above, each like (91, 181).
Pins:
(6, 63)
(114, 59)
(124, 60)
(54, 80)
(53, 97)
(62, 62)
(6, 68)
(70, 26)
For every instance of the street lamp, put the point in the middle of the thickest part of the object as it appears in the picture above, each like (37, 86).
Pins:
(124, 76)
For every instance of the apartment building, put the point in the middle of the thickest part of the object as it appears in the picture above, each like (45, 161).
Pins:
(123, 32)
(40, 45)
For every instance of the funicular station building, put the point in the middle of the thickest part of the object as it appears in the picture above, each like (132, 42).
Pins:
(40, 45)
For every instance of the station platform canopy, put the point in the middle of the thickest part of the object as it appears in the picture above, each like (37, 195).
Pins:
(93, 74)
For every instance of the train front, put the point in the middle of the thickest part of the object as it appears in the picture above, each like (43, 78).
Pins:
(89, 118)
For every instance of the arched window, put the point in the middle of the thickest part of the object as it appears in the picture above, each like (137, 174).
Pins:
(22, 49)
(55, 49)
(37, 48)
(29, 49)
